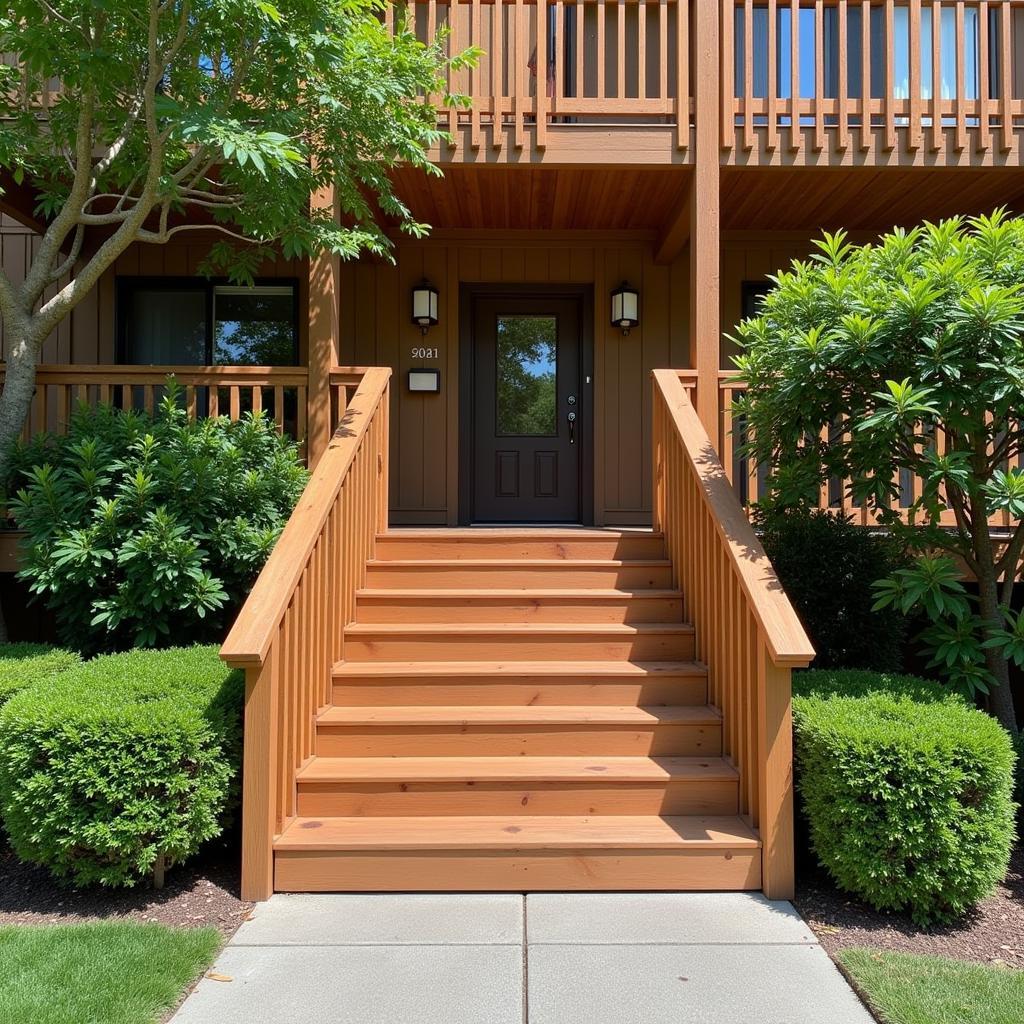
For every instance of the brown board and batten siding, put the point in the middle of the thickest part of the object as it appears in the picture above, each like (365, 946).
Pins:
(376, 329)
(88, 336)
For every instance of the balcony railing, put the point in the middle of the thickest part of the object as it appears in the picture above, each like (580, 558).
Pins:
(561, 62)
(920, 76)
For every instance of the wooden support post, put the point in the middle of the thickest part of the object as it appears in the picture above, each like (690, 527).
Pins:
(705, 241)
(259, 770)
(775, 797)
(324, 339)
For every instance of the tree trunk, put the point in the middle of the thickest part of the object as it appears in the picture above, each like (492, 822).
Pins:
(15, 403)
(1001, 697)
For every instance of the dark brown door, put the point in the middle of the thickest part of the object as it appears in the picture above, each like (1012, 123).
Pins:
(527, 410)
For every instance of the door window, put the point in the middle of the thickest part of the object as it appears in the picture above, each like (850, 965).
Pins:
(527, 376)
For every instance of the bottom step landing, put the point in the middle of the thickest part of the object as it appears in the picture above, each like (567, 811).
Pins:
(515, 854)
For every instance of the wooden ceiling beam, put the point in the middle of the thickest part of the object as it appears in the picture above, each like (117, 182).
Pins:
(676, 232)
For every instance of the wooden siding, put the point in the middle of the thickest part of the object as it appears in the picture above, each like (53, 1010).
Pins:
(88, 335)
(376, 329)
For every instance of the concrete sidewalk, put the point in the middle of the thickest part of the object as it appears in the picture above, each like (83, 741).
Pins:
(611, 958)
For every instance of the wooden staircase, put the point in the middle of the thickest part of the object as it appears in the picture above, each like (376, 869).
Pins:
(518, 709)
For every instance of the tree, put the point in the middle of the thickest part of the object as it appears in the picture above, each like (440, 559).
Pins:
(176, 116)
(907, 357)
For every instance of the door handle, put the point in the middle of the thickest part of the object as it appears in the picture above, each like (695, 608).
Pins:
(571, 417)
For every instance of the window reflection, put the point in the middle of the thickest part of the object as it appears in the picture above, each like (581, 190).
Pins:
(527, 375)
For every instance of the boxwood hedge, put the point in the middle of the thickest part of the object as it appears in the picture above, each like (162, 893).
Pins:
(125, 768)
(907, 791)
(22, 665)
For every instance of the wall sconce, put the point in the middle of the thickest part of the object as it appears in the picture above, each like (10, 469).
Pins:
(625, 307)
(424, 306)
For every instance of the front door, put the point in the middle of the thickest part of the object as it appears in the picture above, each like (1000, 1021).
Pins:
(528, 436)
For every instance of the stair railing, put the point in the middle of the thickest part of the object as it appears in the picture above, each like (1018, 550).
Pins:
(747, 632)
(289, 632)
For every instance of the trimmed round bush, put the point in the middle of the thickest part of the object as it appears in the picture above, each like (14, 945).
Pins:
(126, 768)
(908, 801)
(21, 665)
(856, 682)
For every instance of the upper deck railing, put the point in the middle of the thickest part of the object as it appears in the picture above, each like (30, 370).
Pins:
(939, 79)
(801, 81)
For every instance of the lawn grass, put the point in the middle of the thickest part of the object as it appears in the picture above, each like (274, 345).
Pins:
(106, 973)
(906, 989)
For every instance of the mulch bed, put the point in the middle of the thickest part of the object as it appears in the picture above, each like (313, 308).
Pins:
(992, 934)
(202, 892)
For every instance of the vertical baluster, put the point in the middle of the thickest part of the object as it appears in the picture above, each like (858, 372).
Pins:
(865, 75)
(819, 75)
(498, 56)
(279, 408)
(301, 399)
(581, 52)
(542, 73)
(890, 75)
(520, 56)
(147, 397)
(641, 38)
(1006, 75)
(234, 399)
(960, 48)
(683, 74)
(796, 136)
(984, 111)
(620, 50)
(748, 74)
(772, 89)
(257, 398)
(914, 137)
(452, 45)
(843, 90)
(213, 400)
(729, 67)
(558, 67)
(602, 22)
(936, 103)
(475, 75)
(663, 53)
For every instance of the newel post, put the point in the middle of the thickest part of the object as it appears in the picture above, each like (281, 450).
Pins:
(775, 796)
(259, 769)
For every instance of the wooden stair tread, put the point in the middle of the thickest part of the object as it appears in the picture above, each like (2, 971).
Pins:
(540, 669)
(516, 563)
(434, 533)
(505, 593)
(519, 832)
(524, 715)
(520, 768)
(533, 629)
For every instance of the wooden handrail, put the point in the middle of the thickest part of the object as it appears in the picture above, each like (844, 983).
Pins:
(289, 632)
(747, 632)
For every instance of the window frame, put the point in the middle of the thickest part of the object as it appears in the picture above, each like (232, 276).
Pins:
(127, 284)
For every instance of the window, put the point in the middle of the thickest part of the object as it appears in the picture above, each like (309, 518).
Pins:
(191, 322)
(527, 376)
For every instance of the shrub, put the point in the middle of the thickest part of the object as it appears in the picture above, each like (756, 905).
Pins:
(126, 767)
(24, 664)
(839, 682)
(151, 527)
(909, 801)
(828, 567)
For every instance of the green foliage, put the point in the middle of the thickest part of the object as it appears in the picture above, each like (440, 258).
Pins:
(21, 665)
(132, 757)
(828, 567)
(148, 530)
(860, 359)
(864, 683)
(906, 989)
(228, 108)
(112, 972)
(908, 800)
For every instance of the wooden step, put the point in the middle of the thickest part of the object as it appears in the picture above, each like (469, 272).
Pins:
(511, 544)
(481, 641)
(429, 683)
(524, 574)
(519, 606)
(614, 785)
(492, 730)
(516, 853)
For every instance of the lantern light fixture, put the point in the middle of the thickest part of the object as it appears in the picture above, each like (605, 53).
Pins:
(625, 308)
(424, 306)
